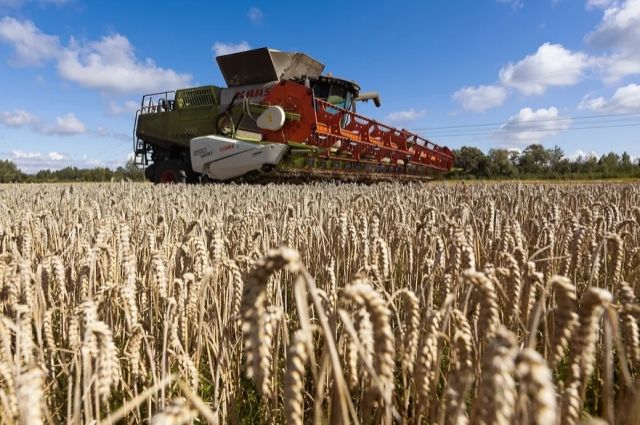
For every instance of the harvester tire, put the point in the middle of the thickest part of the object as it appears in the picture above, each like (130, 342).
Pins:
(150, 173)
(171, 171)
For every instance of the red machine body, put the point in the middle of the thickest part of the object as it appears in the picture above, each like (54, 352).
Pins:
(347, 136)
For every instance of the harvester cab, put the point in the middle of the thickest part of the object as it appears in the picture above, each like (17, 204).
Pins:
(279, 114)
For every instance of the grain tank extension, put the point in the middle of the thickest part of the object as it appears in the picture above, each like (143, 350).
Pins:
(278, 116)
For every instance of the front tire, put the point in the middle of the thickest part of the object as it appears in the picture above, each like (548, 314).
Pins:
(150, 173)
(170, 171)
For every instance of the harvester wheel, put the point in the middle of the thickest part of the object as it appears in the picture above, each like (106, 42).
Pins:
(171, 171)
(150, 173)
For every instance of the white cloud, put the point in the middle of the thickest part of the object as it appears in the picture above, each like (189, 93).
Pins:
(31, 162)
(32, 47)
(18, 118)
(101, 132)
(104, 132)
(599, 4)
(618, 65)
(221, 48)
(618, 35)
(55, 156)
(625, 99)
(66, 125)
(111, 65)
(551, 65)
(255, 15)
(529, 126)
(127, 107)
(480, 98)
(619, 28)
(406, 116)
(582, 155)
(34, 161)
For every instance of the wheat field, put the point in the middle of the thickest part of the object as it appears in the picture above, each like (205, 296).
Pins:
(327, 304)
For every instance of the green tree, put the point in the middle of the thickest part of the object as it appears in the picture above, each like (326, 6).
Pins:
(473, 162)
(501, 163)
(590, 164)
(625, 163)
(534, 160)
(132, 170)
(556, 155)
(609, 163)
(9, 172)
(563, 167)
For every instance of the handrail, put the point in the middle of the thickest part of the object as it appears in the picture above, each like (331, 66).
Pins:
(152, 107)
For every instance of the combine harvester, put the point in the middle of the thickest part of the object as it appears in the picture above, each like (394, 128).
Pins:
(279, 118)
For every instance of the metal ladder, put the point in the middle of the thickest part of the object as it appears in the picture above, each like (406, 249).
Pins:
(140, 149)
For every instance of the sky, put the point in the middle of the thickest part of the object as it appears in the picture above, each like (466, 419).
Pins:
(483, 73)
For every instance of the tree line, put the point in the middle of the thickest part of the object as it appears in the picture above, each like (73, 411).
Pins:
(534, 162)
(10, 173)
(537, 162)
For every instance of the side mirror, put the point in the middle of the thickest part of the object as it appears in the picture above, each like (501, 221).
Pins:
(369, 95)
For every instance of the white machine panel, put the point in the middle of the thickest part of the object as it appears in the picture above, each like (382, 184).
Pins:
(223, 158)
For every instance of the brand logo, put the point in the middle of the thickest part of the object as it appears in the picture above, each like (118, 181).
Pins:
(226, 148)
(259, 92)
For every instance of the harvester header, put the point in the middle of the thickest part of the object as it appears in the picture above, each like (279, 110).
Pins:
(278, 115)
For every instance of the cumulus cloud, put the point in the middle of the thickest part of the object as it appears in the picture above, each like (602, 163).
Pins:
(126, 107)
(599, 4)
(580, 154)
(551, 65)
(18, 118)
(480, 98)
(221, 48)
(66, 125)
(104, 132)
(616, 66)
(30, 162)
(618, 36)
(255, 15)
(111, 65)
(34, 161)
(625, 99)
(31, 46)
(619, 28)
(406, 115)
(529, 126)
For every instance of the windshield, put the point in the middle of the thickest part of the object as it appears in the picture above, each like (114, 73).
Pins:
(335, 94)
(340, 97)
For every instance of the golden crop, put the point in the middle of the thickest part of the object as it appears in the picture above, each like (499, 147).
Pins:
(423, 304)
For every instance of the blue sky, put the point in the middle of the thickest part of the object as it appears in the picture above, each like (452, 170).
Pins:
(485, 73)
